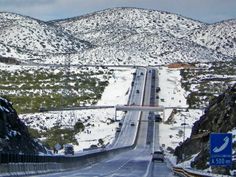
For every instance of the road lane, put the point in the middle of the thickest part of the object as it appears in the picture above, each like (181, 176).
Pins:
(128, 133)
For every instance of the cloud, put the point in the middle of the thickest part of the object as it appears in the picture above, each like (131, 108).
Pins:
(24, 3)
(203, 10)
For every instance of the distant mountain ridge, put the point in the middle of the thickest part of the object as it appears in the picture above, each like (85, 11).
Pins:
(20, 36)
(220, 36)
(117, 36)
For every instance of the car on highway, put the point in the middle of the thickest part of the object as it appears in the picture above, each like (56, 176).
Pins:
(93, 146)
(43, 109)
(158, 89)
(118, 129)
(184, 124)
(158, 156)
(132, 124)
(158, 118)
(137, 91)
(68, 149)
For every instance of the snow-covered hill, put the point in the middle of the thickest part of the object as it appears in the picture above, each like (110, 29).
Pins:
(24, 37)
(129, 35)
(112, 25)
(220, 37)
(117, 36)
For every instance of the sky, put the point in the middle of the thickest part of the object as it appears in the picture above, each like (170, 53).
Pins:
(208, 11)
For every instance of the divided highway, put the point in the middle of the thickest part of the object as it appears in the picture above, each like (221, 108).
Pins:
(128, 133)
(143, 135)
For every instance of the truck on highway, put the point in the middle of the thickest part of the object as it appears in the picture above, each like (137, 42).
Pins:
(158, 156)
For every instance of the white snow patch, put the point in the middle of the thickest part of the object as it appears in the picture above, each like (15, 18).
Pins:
(173, 95)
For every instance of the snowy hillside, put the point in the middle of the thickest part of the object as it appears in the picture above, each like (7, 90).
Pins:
(128, 35)
(24, 37)
(117, 36)
(220, 37)
(101, 27)
(154, 49)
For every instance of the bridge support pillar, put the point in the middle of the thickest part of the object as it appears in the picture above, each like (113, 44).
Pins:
(115, 115)
(164, 115)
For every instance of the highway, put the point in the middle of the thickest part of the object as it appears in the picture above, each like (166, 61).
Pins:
(135, 162)
(128, 133)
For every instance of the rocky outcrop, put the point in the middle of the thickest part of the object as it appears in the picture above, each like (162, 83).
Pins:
(219, 117)
(14, 135)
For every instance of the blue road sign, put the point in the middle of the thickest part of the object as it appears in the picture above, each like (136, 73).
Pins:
(221, 149)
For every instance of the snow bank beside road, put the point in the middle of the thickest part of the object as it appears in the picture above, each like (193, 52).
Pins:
(173, 95)
(118, 90)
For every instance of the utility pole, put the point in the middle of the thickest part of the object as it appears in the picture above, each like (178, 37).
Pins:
(184, 139)
(66, 79)
(184, 128)
(67, 76)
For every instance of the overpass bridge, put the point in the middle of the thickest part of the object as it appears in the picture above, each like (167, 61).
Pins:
(119, 108)
(143, 108)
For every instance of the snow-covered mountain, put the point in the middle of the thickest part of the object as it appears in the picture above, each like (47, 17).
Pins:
(23, 37)
(219, 36)
(112, 25)
(117, 36)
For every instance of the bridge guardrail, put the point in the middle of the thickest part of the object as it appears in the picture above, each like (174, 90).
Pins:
(12, 164)
(189, 172)
(183, 172)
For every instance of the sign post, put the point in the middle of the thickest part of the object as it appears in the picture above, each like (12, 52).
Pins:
(221, 149)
